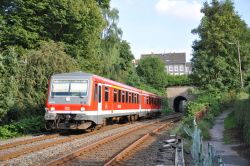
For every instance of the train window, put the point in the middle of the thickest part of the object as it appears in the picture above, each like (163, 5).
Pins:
(119, 95)
(115, 95)
(123, 96)
(96, 93)
(133, 100)
(129, 98)
(137, 96)
(100, 94)
(126, 97)
(106, 93)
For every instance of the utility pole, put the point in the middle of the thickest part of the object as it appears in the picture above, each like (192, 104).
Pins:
(241, 79)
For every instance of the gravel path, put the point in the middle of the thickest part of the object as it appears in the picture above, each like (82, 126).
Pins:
(230, 157)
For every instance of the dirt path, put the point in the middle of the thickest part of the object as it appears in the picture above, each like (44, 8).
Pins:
(230, 157)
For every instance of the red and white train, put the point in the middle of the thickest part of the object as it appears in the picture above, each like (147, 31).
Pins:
(80, 100)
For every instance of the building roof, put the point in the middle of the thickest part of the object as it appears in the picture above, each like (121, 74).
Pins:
(169, 57)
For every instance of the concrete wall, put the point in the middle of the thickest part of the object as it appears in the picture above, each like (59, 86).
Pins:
(174, 92)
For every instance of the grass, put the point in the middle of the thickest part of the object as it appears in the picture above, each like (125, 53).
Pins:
(205, 126)
(227, 139)
(230, 121)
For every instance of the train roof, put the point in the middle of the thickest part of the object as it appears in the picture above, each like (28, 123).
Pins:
(81, 74)
(76, 74)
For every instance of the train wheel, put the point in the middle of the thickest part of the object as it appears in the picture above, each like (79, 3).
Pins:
(129, 119)
(105, 122)
(132, 118)
(136, 117)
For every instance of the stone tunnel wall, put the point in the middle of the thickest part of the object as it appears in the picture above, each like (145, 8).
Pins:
(173, 92)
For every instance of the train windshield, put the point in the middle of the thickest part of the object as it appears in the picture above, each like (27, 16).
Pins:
(69, 88)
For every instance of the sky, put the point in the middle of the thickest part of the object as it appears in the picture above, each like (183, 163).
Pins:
(163, 26)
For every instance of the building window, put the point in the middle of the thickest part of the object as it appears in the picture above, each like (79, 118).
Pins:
(181, 68)
(170, 67)
(175, 67)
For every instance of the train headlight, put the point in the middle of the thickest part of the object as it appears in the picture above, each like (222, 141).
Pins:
(82, 109)
(52, 108)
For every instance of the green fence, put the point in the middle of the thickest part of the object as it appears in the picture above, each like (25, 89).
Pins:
(201, 158)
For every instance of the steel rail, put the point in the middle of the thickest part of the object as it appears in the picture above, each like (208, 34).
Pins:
(103, 141)
(79, 152)
(49, 144)
(124, 153)
(31, 140)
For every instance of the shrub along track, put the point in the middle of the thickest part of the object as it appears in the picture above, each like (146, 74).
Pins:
(108, 148)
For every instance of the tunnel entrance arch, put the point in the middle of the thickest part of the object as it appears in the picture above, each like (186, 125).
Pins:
(177, 95)
(179, 104)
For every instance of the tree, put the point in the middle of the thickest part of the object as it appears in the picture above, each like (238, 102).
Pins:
(215, 62)
(77, 23)
(24, 78)
(110, 42)
(151, 70)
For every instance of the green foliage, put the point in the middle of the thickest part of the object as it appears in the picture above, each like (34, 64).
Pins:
(152, 72)
(193, 107)
(205, 126)
(242, 115)
(182, 80)
(25, 77)
(215, 62)
(25, 126)
(230, 121)
(205, 99)
(210, 100)
(77, 23)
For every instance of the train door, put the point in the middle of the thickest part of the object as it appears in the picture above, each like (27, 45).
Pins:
(99, 98)
(140, 101)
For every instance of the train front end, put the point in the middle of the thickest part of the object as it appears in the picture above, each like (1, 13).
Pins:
(67, 101)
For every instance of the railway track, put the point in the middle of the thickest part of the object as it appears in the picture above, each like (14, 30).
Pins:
(118, 146)
(53, 142)
(46, 148)
(28, 141)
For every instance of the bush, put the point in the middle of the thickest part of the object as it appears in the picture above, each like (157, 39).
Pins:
(25, 126)
(24, 79)
(242, 115)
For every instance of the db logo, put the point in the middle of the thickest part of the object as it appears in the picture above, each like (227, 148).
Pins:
(67, 108)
